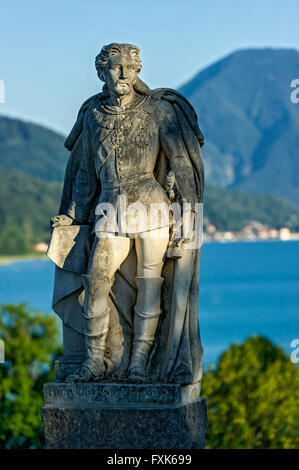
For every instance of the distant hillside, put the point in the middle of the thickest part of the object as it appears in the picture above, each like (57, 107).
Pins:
(28, 203)
(26, 206)
(232, 210)
(250, 125)
(32, 149)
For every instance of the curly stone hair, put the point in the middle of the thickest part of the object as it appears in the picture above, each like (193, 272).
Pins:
(114, 49)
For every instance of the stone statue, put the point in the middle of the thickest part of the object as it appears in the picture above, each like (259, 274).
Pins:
(127, 279)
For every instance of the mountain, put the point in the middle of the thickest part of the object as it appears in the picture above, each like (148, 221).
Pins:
(250, 125)
(32, 149)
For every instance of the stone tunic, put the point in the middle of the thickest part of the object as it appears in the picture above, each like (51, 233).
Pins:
(120, 152)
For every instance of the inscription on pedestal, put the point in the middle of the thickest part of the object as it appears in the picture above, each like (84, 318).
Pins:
(112, 394)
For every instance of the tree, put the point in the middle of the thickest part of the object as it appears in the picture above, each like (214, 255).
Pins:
(253, 398)
(31, 343)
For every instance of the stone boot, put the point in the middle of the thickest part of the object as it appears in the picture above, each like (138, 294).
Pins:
(96, 322)
(147, 312)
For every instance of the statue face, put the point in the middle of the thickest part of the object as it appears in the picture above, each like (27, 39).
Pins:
(120, 74)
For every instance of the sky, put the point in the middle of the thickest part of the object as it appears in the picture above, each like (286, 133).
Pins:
(47, 48)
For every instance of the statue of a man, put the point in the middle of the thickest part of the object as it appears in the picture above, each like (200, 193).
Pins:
(125, 143)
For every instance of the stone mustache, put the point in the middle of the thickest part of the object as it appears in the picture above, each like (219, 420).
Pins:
(128, 296)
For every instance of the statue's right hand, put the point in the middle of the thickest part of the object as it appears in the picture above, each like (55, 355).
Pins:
(61, 221)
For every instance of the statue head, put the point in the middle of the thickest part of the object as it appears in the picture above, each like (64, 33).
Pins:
(118, 66)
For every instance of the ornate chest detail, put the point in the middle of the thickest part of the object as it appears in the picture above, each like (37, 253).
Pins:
(142, 139)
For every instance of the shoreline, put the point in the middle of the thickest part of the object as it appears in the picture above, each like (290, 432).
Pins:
(250, 240)
(10, 259)
(6, 260)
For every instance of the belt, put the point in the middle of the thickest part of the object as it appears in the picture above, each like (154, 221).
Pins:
(131, 180)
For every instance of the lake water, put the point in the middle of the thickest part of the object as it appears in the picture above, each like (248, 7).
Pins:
(245, 289)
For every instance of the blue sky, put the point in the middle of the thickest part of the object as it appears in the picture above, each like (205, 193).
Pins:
(47, 48)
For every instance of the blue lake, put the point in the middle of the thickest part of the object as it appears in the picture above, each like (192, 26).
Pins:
(245, 289)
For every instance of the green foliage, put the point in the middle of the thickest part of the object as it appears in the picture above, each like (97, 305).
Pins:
(232, 210)
(26, 206)
(253, 398)
(31, 342)
(12, 240)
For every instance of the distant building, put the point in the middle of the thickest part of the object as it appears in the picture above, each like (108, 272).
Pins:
(210, 228)
(253, 231)
(284, 233)
(263, 233)
(228, 236)
(273, 233)
(41, 247)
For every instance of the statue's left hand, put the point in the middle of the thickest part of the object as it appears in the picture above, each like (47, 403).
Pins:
(61, 221)
(187, 228)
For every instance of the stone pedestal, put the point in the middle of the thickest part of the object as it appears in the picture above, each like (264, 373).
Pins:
(124, 416)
